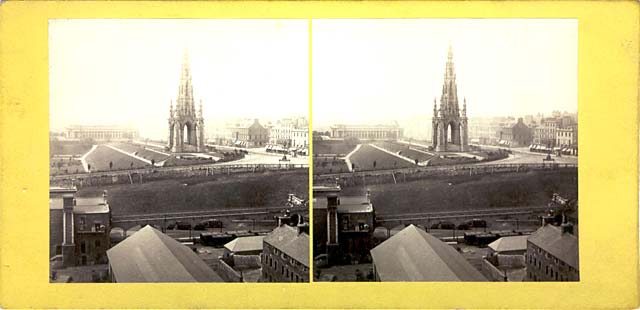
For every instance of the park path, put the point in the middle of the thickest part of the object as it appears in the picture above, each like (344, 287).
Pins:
(83, 159)
(348, 161)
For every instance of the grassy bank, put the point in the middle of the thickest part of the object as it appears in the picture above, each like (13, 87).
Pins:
(269, 189)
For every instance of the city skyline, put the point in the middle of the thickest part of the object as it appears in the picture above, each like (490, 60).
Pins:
(504, 67)
(129, 70)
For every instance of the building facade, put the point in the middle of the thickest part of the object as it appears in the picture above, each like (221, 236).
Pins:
(292, 132)
(516, 134)
(450, 131)
(79, 227)
(342, 225)
(367, 132)
(552, 254)
(285, 255)
(249, 133)
(186, 127)
(104, 133)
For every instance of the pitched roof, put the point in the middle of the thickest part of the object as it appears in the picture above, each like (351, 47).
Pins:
(245, 244)
(414, 255)
(511, 243)
(288, 240)
(151, 256)
(563, 246)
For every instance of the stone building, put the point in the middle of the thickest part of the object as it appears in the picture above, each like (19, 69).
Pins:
(390, 131)
(105, 133)
(290, 132)
(545, 134)
(552, 254)
(79, 227)
(285, 255)
(450, 132)
(248, 133)
(342, 225)
(516, 134)
(186, 127)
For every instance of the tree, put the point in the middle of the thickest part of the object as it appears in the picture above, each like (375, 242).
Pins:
(110, 165)
(374, 164)
(131, 165)
(153, 162)
(89, 167)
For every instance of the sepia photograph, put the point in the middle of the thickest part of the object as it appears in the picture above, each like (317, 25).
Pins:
(445, 150)
(179, 150)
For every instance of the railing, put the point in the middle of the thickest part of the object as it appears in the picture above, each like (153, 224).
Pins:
(445, 169)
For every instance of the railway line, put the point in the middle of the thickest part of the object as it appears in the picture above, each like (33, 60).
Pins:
(187, 215)
(478, 213)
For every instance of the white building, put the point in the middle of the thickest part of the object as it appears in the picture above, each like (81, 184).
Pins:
(290, 132)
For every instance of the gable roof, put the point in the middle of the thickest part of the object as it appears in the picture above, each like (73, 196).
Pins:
(151, 256)
(288, 240)
(414, 255)
(245, 244)
(563, 246)
(511, 243)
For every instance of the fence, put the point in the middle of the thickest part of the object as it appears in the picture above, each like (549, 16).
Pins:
(402, 175)
(145, 175)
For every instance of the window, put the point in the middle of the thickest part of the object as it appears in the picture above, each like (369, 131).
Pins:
(97, 243)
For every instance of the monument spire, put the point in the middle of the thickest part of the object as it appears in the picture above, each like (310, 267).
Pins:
(185, 104)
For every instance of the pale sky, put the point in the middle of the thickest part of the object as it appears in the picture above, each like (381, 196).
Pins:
(125, 72)
(374, 70)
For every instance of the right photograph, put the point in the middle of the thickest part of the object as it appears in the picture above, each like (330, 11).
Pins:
(445, 150)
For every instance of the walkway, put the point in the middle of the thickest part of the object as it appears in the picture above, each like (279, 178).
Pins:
(83, 159)
(346, 158)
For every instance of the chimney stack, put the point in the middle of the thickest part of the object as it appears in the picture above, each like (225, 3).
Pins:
(567, 228)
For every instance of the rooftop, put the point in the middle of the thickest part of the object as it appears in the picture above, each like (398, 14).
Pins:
(414, 255)
(511, 243)
(347, 204)
(151, 256)
(563, 246)
(245, 244)
(291, 242)
(84, 205)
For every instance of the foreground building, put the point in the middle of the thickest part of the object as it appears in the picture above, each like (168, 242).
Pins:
(505, 259)
(285, 255)
(342, 225)
(414, 255)
(151, 256)
(552, 254)
(79, 227)
(241, 259)
(450, 131)
(186, 128)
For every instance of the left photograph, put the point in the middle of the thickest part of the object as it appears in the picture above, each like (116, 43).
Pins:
(179, 150)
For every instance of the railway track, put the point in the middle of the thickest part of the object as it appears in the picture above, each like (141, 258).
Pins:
(199, 214)
(479, 213)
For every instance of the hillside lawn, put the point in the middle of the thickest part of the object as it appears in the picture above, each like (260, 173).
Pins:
(532, 188)
(367, 155)
(269, 189)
